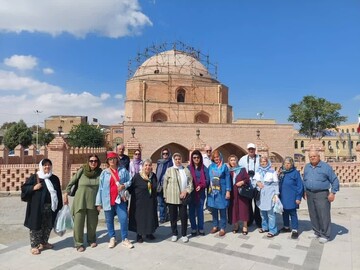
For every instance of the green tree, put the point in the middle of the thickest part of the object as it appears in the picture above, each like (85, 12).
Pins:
(85, 135)
(45, 136)
(7, 125)
(315, 116)
(17, 134)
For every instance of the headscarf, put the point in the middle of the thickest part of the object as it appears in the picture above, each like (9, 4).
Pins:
(147, 177)
(283, 171)
(182, 173)
(91, 173)
(263, 170)
(162, 165)
(136, 164)
(45, 176)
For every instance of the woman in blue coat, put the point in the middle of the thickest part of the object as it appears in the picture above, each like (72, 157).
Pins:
(291, 192)
(219, 192)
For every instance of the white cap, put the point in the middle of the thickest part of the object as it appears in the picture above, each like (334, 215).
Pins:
(251, 145)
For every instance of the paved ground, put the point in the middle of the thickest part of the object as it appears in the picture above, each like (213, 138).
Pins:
(234, 251)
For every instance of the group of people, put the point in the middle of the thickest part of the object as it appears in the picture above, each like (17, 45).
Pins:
(142, 198)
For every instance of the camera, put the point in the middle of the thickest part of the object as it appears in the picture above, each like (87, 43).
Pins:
(251, 173)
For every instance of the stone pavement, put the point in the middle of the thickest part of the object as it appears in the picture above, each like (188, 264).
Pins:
(234, 251)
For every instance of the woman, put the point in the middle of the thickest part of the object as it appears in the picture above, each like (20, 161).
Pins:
(177, 185)
(136, 163)
(219, 192)
(143, 204)
(239, 206)
(200, 175)
(111, 197)
(87, 179)
(42, 192)
(291, 191)
(163, 164)
(268, 184)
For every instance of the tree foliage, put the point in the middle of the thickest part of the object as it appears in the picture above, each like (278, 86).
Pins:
(315, 116)
(45, 136)
(17, 134)
(7, 125)
(85, 135)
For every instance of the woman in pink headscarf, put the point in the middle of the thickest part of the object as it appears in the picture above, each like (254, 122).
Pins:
(136, 163)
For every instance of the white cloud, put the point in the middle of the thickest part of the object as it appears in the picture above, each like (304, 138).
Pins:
(48, 71)
(21, 96)
(119, 96)
(21, 62)
(110, 18)
(357, 97)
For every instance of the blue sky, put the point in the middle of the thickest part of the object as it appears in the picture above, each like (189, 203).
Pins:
(71, 57)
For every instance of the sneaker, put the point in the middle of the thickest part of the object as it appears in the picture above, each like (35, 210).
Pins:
(112, 242)
(313, 236)
(294, 234)
(193, 233)
(323, 240)
(201, 232)
(184, 239)
(174, 238)
(285, 230)
(126, 243)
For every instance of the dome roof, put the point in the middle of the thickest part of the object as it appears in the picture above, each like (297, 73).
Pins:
(172, 62)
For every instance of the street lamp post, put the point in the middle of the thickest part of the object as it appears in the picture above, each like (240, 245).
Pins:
(37, 129)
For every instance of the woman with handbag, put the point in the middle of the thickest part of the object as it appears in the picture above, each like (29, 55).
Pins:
(143, 217)
(239, 205)
(177, 188)
(111, 197)
(87, 181)
(200, 175)
(42, 192)
(219, 192)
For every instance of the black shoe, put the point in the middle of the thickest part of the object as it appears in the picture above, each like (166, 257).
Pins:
(162, 221)
(202, 233)
(294, 235)
(285, 230)
(193, 233)
(150, 236)
(139, 239)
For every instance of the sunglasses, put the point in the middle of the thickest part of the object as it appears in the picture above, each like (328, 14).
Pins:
(93, 161)
(196, 157)
(165, 153)
(137, 154)
(208, 151)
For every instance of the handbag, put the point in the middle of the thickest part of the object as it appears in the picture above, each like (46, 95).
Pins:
(257, 194)
(246, 191)
(76, 185)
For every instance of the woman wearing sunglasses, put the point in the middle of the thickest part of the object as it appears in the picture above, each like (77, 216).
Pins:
(87, 179)
(136, 163)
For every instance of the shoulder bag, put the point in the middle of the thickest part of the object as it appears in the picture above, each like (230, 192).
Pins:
(246, 191)
(76, 185)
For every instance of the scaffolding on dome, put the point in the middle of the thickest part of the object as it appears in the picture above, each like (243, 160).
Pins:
(150, 51)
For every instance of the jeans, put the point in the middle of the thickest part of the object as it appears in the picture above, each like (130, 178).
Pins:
(215, 218)
(269, 221)
(294, 218)
(162, 207)
(197, 209)
(122, 213)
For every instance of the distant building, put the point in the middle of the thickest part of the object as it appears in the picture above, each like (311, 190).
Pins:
(66, 122)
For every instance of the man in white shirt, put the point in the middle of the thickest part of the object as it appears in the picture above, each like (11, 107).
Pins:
(251, 163)
(207, 156)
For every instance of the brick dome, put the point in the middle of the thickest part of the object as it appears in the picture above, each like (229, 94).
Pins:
(172, 62)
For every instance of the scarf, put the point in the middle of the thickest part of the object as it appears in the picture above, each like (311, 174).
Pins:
(147, 178)
(135, 166)
(183, 177)
(263, 170)
(162, 165)
(201, 182)
(53, 194)
(283, 171)
(91, 173)
(234, 171)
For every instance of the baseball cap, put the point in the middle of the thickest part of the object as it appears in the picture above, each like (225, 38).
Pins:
(251, 145)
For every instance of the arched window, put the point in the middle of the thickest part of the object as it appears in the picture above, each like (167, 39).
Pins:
(159, 117)
(180, 95)
(302, 144)
(323, 143)
(296, 145)
(337, 145)
(201, 118)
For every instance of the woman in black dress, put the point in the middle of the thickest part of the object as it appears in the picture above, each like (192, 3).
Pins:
(143, 217)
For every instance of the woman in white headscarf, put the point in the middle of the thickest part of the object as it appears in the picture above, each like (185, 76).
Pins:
(42, 192)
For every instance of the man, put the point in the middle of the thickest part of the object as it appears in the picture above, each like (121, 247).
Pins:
(124, 159)
(318, 178)
(207, 156)
(251, 163)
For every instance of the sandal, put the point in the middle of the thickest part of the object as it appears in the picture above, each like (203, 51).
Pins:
(46, 246)
(244, 231)
(270, 235)
(80, 249)
(35, 251)
(93, 245)
(262, 231)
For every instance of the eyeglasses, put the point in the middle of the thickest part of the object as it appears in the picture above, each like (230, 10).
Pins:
(208, 151)
(137, 154)
(165, 153)
(196, 157)
(93, 161)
